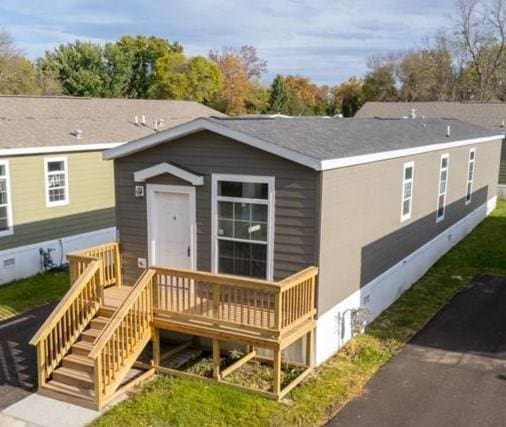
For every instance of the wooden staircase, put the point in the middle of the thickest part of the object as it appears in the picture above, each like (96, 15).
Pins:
(74, 378)
(86, 348)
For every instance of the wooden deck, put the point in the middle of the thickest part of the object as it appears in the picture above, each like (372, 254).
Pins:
(96, 333)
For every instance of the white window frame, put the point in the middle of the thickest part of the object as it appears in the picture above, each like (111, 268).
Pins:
(407, 165)
(10, 230)
(65, 201)
(439, 193)
(270, 202)
(470, 181)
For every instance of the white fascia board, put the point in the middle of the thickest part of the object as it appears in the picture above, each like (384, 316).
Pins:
(161, 168)
(7, 152)
(203, 124)
(387, 155)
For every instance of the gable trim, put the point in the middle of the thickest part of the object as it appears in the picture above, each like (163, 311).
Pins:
(161, 168)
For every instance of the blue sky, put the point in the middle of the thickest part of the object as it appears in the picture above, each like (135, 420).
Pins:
(327, 41)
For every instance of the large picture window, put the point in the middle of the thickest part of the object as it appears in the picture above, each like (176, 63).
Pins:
(443, 187)
(470, 175)
(56, 181)
(5, 200)
(242, 216)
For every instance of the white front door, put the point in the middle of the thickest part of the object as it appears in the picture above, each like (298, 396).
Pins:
(171, 225)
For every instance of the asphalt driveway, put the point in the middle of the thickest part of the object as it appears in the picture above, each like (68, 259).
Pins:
(18, 359)
(453, 373)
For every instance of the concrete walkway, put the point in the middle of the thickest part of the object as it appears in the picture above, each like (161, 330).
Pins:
(453, 373)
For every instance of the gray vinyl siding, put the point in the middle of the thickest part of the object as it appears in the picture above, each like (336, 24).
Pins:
(362, 235)
(204, 153)
(57, 228)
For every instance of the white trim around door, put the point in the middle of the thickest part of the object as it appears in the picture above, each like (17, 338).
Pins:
(269, 202)
(151, 189)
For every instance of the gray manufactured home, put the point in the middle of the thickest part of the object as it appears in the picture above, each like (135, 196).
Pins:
(373, 203)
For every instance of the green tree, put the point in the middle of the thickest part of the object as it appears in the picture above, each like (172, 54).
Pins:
(78, 67)
(137, 59)
(177, 77)
(279, 101)
(380, 82)
(348, 97)
(257, 100)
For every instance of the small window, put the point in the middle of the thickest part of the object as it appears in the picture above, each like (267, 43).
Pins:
(442, 188)
(56, 181)
(407, 190)
(470, 175)
(5, 200)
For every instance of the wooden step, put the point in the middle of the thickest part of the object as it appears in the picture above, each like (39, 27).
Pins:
(82, 348)
(74, 378)
(70, 394)
(90, 335)
(78, 362)
(99, 322)
(106, 311)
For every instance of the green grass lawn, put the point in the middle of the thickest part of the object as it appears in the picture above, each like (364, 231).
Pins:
(188, 402)
(25, 294)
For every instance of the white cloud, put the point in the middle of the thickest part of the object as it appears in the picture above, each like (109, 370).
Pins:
(327, 40)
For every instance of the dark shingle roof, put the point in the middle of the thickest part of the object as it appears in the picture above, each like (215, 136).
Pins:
(491, 114)
(333, 138)
(29, 121)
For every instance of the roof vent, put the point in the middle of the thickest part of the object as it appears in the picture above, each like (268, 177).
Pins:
(78, 133)
(158, 123)
(502, 124)
(448, 131)
(338, 115)
(412, 114)
(143, 120)
(136, 120)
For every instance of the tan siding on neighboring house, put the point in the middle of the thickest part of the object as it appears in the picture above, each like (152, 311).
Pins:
(362, 235)
(204, 154)
(91, 198)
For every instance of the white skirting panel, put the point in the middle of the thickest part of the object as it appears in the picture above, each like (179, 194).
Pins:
(501, 191)
(25, 261)
(334, 327)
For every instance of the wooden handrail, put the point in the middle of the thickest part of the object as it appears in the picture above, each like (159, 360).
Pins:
(219, 278)
(65, 302)
(296, 278)
(120, 314)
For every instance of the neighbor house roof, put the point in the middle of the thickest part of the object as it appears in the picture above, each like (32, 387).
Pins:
(327, 143)
(491, 114)
(40, 124)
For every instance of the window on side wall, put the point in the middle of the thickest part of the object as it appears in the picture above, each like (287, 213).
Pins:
(471, 169)
(407, 190)
(242, 216)
(56, 181)
(443, 187)
(6, 227)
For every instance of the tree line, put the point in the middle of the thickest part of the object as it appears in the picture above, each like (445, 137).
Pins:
(465, 61)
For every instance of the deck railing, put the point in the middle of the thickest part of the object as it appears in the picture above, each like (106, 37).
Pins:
(232, 301)
(109, 255)
(68, 320)
(125, 335)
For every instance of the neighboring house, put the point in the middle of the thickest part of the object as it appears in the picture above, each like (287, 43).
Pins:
(372, 203)
(488, 114)
(56, 191)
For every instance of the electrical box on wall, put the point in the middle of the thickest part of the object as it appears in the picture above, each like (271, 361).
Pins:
(139, 191)
(142, 263)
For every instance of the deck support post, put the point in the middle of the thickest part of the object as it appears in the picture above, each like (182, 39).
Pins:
(216, 359)
(155, 338)
(309, 348)
(276, 372)
(41, 365)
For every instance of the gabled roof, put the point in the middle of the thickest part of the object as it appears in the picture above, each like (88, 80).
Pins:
(30, 123)
(490, 114)
(326, 143)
